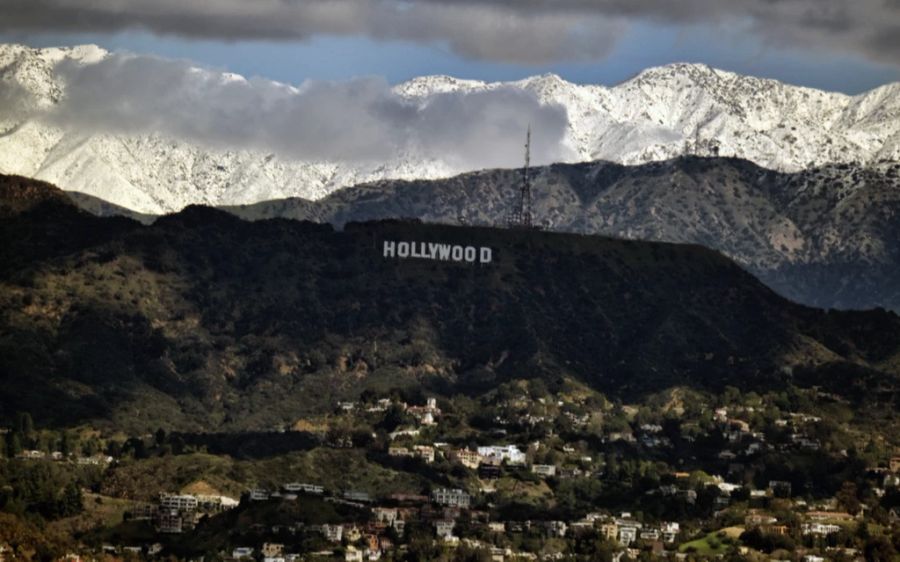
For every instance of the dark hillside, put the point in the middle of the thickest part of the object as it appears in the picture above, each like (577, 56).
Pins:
(204, 321)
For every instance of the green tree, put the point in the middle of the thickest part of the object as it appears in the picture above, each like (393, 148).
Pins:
(13, 444)
(66, 444)
(880, 549)
(848, 498)
(25, 424)
(71, 501)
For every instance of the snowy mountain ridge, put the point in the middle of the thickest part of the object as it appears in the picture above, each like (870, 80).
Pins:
(659, 114)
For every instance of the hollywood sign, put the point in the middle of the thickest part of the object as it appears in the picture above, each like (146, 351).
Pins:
(438, 251)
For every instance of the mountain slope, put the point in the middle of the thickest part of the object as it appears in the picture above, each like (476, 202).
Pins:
(208, 322)
(827, 237)
(661, 113)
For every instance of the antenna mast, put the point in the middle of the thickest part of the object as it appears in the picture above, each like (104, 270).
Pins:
(522, 217)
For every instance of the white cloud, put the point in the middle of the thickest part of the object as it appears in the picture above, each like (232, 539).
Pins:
(355, 121)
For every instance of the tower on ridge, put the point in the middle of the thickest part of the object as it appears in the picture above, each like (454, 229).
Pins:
(521, 216)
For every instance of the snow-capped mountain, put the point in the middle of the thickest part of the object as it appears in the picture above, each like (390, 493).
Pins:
(661, 113)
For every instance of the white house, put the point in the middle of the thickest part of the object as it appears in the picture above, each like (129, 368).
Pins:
(451, 497)
(819, 529)
(627, 534)
(444, 528)
(670, 531)
(180, 503)
(509, 453)
(385, 514)
(353, 554)
(333, 533)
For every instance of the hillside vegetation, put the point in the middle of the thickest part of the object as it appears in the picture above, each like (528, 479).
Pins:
(203, 321)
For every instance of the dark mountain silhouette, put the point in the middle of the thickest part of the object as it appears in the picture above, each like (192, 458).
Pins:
(205, 321)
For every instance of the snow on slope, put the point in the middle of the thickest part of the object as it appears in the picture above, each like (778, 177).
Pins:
(661, 113)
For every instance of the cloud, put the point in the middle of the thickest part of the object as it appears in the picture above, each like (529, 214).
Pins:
(521, 31)
(361, 120)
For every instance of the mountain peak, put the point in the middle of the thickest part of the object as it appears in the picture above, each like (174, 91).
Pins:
(695, 72)
(422, 86)
(664, 112)
(547, 83)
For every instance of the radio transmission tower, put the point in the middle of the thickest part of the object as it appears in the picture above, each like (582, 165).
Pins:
(521, 216)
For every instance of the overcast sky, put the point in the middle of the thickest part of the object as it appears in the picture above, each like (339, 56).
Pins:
(830, 44)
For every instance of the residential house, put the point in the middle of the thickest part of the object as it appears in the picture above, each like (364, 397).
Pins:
(385, 514)
(829, 516)
(297, 487)
(178, 503)
(545, 470)
(496, 527)
(670, 531)
(451, 497)
(467, 458)
(444, 528)
(503, 453)
(424, 452)
(353, 554)
(210, 503)
(610, 531)
(819, 529)
(399, 452)
(775, 529)
(169, 521)
(557, 528)
(272, 549)
(628, 533)
(332, 533)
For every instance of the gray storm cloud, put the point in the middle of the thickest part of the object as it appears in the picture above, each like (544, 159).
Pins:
(361, 120)
(523, 31)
